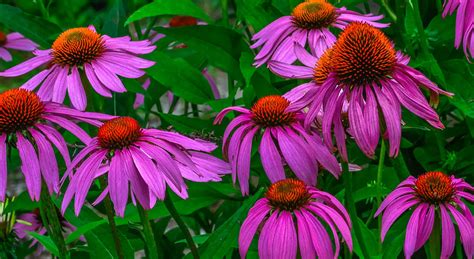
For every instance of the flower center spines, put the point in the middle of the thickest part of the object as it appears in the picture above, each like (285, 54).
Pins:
(119, 133)
(314, 14)
(19, 110)
(270, 111)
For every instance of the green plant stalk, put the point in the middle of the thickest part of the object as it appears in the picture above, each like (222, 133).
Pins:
(350, 205)
(174, 213)
(151, 250)
(419, 25)
(49, 216)
(225, 12)
(435, 239)
(383, 149)
(110, 216)
(389, 10)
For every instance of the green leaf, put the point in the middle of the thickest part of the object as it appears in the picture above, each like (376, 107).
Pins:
(220, 45)
(254, 13)
(369, 238)
(178, 75)
(46, 241)
(187, 125)
(83, 230)
(114, 19)
(225, 237)
(32, 27)
(169, 7)
(101, 243)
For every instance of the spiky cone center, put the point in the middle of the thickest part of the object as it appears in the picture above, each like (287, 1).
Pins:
(323, 67)
(119, 133)
(434, 188)
(182, 21)
(270, 111)
(314, 14)
(3, 38)
(362, 55)
(288, 194)
(19, 110)
(77, 46)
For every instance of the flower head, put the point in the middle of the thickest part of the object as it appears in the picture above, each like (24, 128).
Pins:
(464, 24)
(362, 75)
(14, 41)
(309, 23)
(283, 142)
(100, 57)
(140, 162)
(427, 194)
(294, 219)
(26, 124)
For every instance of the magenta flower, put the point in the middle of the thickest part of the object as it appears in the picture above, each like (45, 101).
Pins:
(14, 41)
(285, 202)
(147, 159)
(310, 22)
(284, 141)
(464, 24)
(373, 80)
(101, 58)
(26, 124)
(432, 195)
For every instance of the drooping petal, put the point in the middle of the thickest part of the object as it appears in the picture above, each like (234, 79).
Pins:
(271, 158)
(305, 242)
(76, 90)
(118, 185)
(250, 225)
(147, 170)
(448, 238)
(466, 229)
(29, 166)
(26, 66)
(3, 166)
(47, 161)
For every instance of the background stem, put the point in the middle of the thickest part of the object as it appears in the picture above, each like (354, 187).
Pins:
(435, 239)
(379, 184)
(151, 251)
(174, 213)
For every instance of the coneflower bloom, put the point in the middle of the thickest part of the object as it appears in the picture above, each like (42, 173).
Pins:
(32, 222)
(26, 123)
(176, 21)
(147, 159)
(294, 219)
(100, 57)
(14, 41)
(284, 141)
(364, 70)
(464, 23)
(310, 22)
(433, 196)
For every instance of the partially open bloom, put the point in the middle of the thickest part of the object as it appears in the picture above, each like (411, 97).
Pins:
(176, 21)
(433, 195)
(14, 41)
(284, 141)
(147, 159)
(101, 58)
(310, 22)
(26, 123)
(364, 70)
(32, 222)
(294, 219)
(464, 23)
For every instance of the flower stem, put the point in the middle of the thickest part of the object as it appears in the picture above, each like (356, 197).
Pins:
(49, 216)
(110, 215)
(389, 10)
(435, 239)
(174, 213)
(379, 183)
(350, 204)
(151, 251)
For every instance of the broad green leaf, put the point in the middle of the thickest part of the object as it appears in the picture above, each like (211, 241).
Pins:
(188, 125)
(370, 240)
(169, 7)
(178, 75)
(83, 230)
(254, 13)
(225, 237)
(101, 243)
(32, 27)
(46, 241)
(114, 19)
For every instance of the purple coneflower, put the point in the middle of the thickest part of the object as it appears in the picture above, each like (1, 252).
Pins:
(14, 41)
(176, 21)
(309, 23)
(290, 218)
(364, 70)
(101, 57)
(26, 123)
(147, 159)
(32, 222)
(284, 141)
(434, 196)
(464, 23)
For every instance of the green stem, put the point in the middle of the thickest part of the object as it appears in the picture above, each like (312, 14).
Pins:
(419, 25)
(225, 12)
(379, 183)
(389, 10)
(151, 251)
(173, 104)
(174, 213)
(50, 219)
(43, 9)
(435, 239)
(352, 208)
(110, 216)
